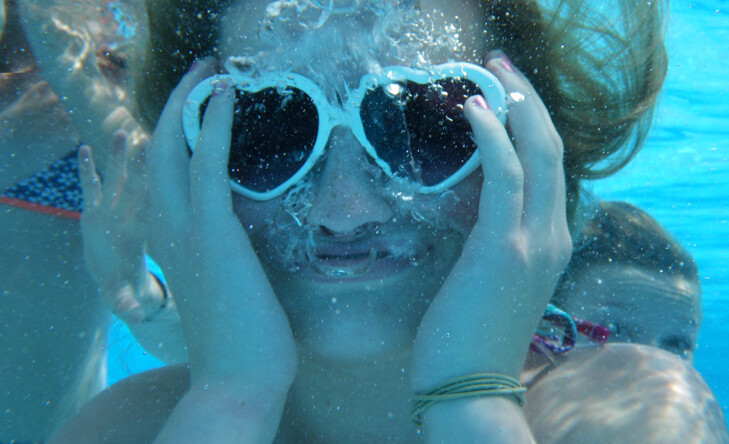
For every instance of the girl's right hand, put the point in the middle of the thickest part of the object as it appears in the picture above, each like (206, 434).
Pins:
(242, 351)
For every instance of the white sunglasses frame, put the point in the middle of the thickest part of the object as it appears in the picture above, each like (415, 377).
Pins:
(331, 116)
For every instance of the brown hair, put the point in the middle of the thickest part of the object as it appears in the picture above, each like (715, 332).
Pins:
(598, 67)
(181, 31)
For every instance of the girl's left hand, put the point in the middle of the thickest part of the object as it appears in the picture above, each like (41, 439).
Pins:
(113, 226)
(114, 231)
(484, 316)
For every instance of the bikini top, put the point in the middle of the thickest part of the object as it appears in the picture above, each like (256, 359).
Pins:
(55, 191)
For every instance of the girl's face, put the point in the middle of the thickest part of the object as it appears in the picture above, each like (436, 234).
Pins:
(354, 260)
(638, 306)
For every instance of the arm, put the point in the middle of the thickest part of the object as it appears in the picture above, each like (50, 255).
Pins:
(241, 349)
(633, 394)
(484, 316)
(66, 51)
(242, 352)
(113, 242)
(27, 104)
(492, 420)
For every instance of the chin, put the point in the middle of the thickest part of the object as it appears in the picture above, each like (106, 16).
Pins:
(359, 316)
(361, 295)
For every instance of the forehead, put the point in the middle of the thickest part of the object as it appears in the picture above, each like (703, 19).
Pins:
(299, 36)
(628, 283)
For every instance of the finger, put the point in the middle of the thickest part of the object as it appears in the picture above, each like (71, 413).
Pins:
(116, 171)
(500, 206)
(90, 181)
(136, 164)
(132, 196)
(167, 150)
(210, 186)
(537, 144)
(137, 182)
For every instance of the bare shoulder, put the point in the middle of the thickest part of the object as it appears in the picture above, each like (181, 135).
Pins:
(132, 410)
(624, 393)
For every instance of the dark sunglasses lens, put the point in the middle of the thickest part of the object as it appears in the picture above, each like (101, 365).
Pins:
(420, 129)
(273, 135)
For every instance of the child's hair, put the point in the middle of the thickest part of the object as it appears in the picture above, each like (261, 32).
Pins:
(598, 67)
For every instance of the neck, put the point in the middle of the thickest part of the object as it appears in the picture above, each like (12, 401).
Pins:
(365, 401)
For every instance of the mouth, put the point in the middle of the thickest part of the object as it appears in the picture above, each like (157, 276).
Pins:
(362, 260)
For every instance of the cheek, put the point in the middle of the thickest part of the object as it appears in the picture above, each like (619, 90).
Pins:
(463, 216)
(254, 216)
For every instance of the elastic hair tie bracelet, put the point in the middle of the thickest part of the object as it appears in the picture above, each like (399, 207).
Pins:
(469, 386)
(494, 384)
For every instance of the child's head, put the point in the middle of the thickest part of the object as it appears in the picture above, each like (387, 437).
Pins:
(629, 275)
(598, 66)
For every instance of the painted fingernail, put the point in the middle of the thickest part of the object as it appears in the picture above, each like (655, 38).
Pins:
(480, 102)
(506, 63)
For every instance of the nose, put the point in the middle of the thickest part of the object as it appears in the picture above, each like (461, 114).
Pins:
(346, 197)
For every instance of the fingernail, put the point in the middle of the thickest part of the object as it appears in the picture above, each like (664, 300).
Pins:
(480, 102)
(506, 64)
(194, 65)
(503, 60)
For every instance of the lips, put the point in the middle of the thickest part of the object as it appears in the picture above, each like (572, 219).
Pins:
(363, 260)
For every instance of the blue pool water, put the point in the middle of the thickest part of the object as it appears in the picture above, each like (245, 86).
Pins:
(681, 178)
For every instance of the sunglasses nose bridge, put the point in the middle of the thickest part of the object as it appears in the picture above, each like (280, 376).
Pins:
(337, 117)
(342, 119)
(345, 198)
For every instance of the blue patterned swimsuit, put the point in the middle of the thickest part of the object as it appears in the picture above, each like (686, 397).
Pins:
(55, 191)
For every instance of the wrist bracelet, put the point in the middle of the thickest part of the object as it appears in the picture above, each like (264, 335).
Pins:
(469, 386)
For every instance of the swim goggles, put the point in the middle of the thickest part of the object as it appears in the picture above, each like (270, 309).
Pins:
(409, 121)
